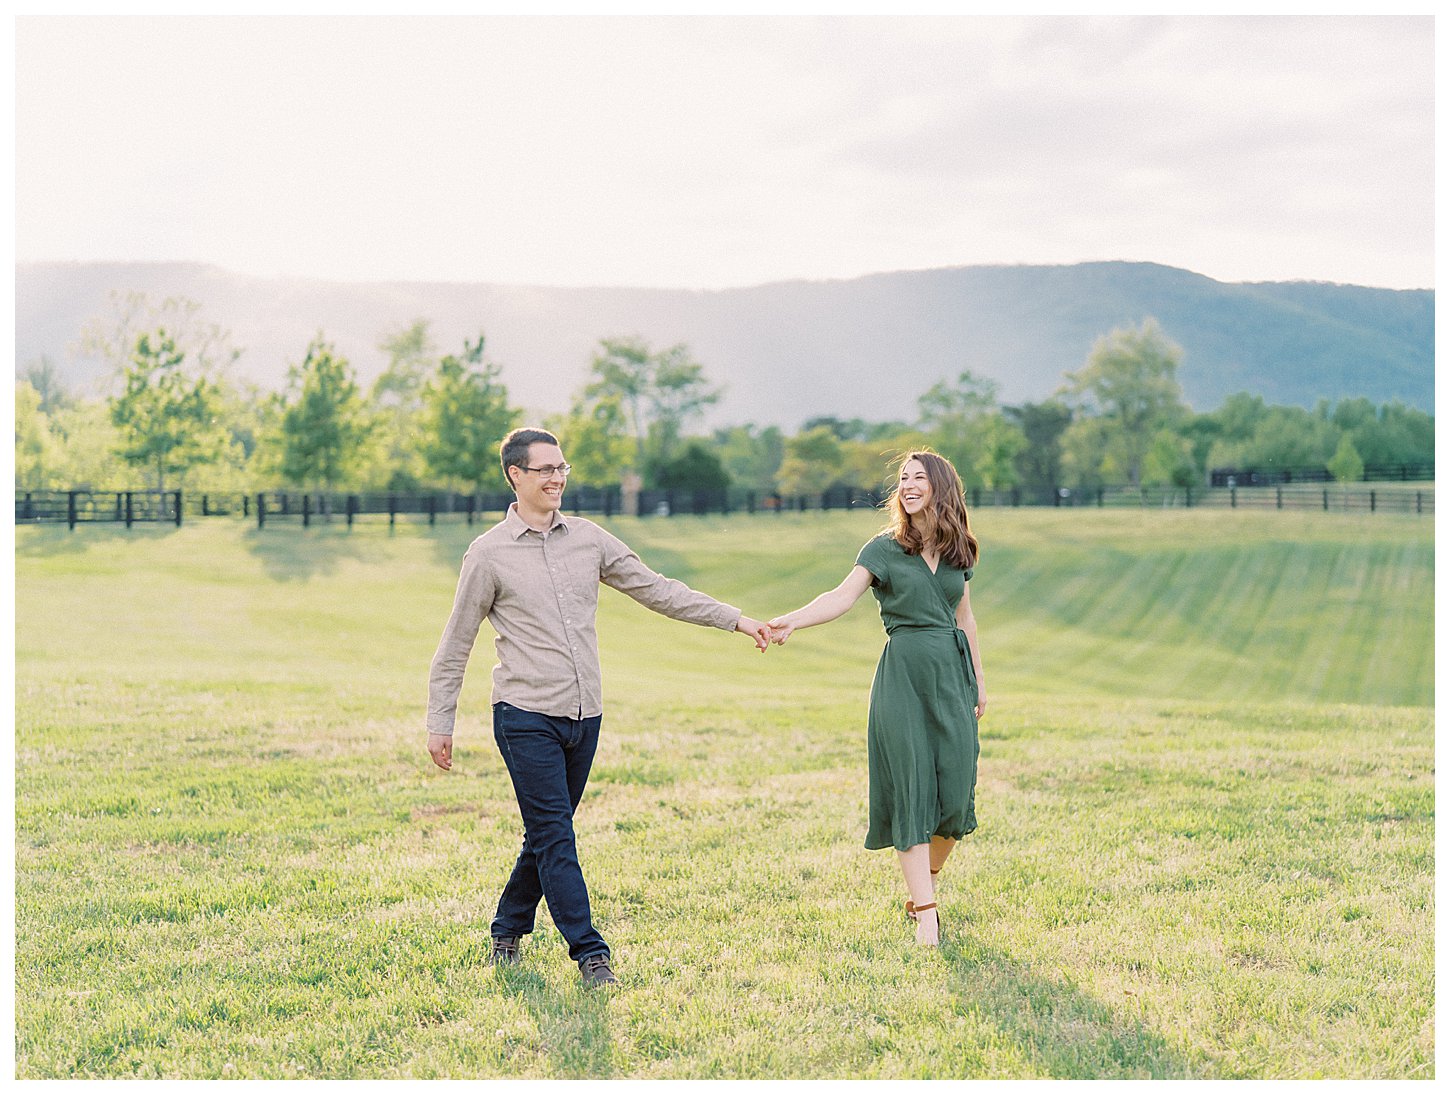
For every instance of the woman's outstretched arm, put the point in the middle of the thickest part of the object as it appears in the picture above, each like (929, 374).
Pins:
(825, 608)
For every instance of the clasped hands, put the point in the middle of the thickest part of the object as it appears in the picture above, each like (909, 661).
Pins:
(776, 631)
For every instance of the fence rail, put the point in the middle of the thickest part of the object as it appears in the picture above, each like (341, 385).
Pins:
(306, 508)
(1317, 473)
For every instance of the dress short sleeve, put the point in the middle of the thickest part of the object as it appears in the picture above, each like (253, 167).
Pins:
(873, 556)
(969, 571)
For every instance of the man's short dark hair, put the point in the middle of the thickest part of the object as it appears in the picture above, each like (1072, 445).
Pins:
(514, 452)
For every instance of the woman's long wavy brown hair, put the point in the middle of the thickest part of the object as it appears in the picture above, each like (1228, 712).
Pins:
(944, 523)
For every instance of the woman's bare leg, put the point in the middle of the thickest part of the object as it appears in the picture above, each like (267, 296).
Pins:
(916, 869)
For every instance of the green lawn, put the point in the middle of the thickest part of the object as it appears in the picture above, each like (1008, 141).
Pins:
(1206, 804)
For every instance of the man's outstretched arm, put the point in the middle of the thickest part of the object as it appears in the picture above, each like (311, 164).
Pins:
(623, 570)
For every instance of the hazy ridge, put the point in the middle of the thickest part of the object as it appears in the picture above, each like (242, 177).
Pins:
(865, 347)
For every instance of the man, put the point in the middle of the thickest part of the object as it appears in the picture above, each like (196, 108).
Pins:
(535, 576)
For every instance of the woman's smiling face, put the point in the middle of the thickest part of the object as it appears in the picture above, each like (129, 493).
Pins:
(913, 488)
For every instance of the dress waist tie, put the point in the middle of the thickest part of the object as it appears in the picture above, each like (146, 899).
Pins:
(956, 632)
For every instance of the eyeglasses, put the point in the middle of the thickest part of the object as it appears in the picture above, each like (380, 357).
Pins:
(548, 471)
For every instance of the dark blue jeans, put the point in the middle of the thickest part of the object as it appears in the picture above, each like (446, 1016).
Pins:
(548, 759)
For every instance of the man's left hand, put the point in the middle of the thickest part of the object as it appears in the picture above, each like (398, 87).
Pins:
(756, 630)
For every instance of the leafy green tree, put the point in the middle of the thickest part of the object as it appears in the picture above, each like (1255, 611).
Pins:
(871, 464)
(695, 468)
(1169, 461)
(45, 378)
(751, 456)
(814, 462)
(595, 437)
(1039, 461)
(623, 372)
(465, 417)
(169, 421)
(1089, 456)
(1282, 437)
(1345, 465)
(962, 422)
(89, 442)
(658, 393)
(1387, 435)
(1130, 381)
(37, 448)
(681, 394)
(324, 423)
(395, 460)
(855, 429)
(208, 347)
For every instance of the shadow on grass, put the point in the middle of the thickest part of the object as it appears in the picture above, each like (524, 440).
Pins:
(573, 1023)
(45, 541)
(1062, 1031)
(292, 554)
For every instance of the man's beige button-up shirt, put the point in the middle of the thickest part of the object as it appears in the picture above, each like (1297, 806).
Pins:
(540, 591)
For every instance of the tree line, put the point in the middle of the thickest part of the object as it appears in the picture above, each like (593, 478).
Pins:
(174, 417)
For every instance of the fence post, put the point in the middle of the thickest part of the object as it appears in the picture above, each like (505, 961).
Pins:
(1371, 501)
(129, 513)
(246, 505)
(261, 509)
(1278, 497)
(392, 510)
(178, 508)
(1187, 497)
(1100, 498)
(1233, 498)
(70, 509)
(351, 508)
(473, 500)
(307, 509)
(432, 509)
(1326, 499)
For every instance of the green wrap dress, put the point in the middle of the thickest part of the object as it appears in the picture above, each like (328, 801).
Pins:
(921, 729)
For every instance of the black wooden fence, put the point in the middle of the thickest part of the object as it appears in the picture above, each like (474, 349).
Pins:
(76, 507)
(1317, 473)
(269, 508)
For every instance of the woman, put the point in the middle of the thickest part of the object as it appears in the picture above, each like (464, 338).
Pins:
(927, 695)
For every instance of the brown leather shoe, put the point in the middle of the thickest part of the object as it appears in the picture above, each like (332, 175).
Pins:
(595, 971)
(505, 950)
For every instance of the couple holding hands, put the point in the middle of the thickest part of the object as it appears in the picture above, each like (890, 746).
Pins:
(535, 576)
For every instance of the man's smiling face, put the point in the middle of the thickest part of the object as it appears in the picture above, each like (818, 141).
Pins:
(538, 492)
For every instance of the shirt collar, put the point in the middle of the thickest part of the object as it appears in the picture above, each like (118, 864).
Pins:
(517, 527)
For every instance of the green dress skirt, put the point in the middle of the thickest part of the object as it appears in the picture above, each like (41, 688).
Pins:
(921, 730)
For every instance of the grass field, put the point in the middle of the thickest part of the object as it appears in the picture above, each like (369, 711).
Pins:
(1206, 804)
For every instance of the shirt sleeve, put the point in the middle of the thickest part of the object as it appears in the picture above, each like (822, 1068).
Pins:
(471, 603)
(621, 569)
(873, 557)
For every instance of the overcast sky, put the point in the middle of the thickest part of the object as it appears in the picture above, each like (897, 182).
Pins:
(706, 153)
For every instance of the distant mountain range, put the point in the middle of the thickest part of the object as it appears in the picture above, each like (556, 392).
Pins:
(785, 352)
